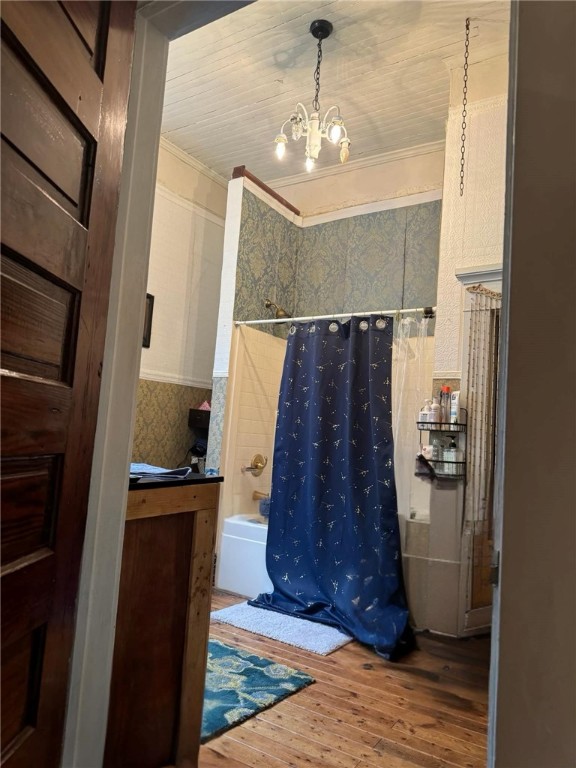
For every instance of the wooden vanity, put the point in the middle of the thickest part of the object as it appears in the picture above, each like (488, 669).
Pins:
(159, 663)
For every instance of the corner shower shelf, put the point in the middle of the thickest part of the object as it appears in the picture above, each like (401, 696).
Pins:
(445, 469)
(449, 470)
(440, 426)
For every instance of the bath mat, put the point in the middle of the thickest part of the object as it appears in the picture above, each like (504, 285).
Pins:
(309, 635)
(240, 684)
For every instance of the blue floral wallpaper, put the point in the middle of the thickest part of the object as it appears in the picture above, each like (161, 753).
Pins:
(383, 260)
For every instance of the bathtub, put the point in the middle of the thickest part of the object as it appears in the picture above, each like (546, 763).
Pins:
(241, 565)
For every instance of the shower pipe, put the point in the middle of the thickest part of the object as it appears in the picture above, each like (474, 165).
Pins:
(428, 312)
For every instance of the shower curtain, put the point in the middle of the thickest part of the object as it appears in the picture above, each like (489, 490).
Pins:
(333, 551)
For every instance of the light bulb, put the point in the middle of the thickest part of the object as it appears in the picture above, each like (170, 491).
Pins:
(309, 164)
(280, 145)
(344, 150)
(335, 133)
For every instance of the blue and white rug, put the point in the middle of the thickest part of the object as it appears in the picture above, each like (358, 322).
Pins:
(240, 684)
(308, 635)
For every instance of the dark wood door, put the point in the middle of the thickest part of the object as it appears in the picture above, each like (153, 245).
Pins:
(65, 80)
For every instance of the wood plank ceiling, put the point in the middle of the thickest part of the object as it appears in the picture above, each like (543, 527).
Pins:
(231, 84)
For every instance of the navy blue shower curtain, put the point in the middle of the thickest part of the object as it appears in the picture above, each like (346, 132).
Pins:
(333, 552)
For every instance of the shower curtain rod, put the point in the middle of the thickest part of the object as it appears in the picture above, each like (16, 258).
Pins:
(428, 311)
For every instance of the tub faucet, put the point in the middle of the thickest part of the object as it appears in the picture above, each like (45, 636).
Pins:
(256, 465)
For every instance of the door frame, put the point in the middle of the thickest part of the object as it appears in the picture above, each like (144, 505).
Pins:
(92, 660)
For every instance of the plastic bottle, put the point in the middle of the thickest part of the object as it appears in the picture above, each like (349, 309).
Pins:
(445, 404)
(424, 413)
(454, 407)
(435, 415)
(449, 455)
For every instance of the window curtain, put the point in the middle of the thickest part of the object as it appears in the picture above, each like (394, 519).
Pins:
(333, 552)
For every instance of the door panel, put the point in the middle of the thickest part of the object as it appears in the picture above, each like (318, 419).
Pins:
(39, 222)
(53, 45)
(65, 80)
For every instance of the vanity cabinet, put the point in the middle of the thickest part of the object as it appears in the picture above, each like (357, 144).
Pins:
(160, 649)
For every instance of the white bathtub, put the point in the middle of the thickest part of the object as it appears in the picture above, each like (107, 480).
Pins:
(241, 565)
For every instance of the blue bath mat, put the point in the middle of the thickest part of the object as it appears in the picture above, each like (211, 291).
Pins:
(240, 684)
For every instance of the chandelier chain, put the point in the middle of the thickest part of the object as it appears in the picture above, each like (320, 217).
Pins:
(464, 105)
(316, 102)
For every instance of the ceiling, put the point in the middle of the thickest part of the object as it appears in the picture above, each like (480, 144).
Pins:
(231, 84)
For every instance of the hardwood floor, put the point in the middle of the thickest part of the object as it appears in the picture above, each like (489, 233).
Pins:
(428, 710)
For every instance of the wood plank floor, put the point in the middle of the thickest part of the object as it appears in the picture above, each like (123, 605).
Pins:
(428, 710)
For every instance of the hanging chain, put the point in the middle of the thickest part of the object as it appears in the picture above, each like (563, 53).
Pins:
(464, 103)
(316, 103)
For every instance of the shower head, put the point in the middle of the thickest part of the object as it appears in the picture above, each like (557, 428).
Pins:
(279, 313)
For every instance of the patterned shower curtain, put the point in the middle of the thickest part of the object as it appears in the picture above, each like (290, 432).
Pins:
(333, 552)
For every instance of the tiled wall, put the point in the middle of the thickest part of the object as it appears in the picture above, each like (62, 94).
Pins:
(161, 433)
(252, 402)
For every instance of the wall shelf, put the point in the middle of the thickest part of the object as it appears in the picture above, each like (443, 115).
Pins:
(444, 468)
(440, 426)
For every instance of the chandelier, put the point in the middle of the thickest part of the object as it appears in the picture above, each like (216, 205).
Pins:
(331, 127)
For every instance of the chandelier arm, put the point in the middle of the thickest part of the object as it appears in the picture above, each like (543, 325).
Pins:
(303, 108)
(334, 106)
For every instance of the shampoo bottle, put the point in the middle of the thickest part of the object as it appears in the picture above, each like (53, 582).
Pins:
(435, 415)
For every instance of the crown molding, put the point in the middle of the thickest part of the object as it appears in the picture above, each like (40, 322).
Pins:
(388, 204)
(183, 202)
(192, 162)
(356, 165)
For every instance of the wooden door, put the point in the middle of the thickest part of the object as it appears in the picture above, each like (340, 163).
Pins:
(65, 80)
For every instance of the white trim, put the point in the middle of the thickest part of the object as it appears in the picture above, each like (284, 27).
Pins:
(271, 202)
(447, 374)
(192, 162)
(175, 378)
(167, 194)
(363, 162)
(228, 282)
(88, 689)
(480, 106)
(379, 205)
(485, 273)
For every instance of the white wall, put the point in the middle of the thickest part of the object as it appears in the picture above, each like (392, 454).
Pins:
(398, 174)
(189, 179)
(472, 230)
(184, 278)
